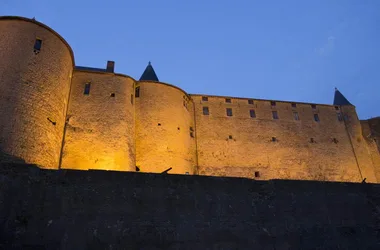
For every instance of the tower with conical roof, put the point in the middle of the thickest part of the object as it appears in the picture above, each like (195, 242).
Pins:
(149, 74)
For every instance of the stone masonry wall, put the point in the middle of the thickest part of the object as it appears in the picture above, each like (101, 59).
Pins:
(34, 91)
(164, 120)
(67, 209)
(100, 131)
(241, 145)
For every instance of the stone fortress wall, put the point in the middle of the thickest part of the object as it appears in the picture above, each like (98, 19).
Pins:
(34, 91)
(115, 122)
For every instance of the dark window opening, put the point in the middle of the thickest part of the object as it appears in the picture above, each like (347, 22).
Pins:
(230, 137)
(228, 100)
(313, 106)
(205, 111)
(191, 129)
(137, 169)
(312, 140)
(296, 116)
(159, 124)
(37, 45)
(204, 98)
(294, 105)
(252, 113)
(339, 116)
(257, 174)
(131, 99)
(335, 140)
(112, 95)
(250, 101)
(274, 139)
(137, 91)
(229, 111)
(178, 128)
(336, 107)
(275, 115)
(87, 87)
(191, 134)
(316, 117)
(273, 103)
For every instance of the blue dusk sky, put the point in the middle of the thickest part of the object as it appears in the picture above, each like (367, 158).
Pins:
(282, 50)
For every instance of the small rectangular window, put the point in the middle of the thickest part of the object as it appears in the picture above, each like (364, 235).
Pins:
(316, 117)
(37, 45)
(339, 116)
(296, 116)
(191, 134)
(294, 105)
(313, 106)
(137, 91)
(336, 107)
(273, 104)
(87, 87)
(204, 98)
(205, 111)
(257, 174)
(252, 113)
(229, 111)
(228, 100)
(275, 115)
(131, 99)
(250, 101)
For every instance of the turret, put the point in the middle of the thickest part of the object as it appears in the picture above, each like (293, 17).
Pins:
(339, 99)
(149, 74)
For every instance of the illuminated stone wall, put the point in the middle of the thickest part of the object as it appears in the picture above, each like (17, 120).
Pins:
(241, 145)
(164, 118)
(34, 91)
(100, 131)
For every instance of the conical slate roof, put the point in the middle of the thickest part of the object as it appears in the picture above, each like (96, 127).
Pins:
(149, 74)
(339, 98)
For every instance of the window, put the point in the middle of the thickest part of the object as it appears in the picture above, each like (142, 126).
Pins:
(205, 111)
(191, 134)
(204, 98)
(273, 104)
(336, 107)
(275, 115)
(257, 174)
(339, 116)
(252, 113)
(137, 169)
(87, 87)
(158, 124)
(137, 91)
(296, 116)
(230, 137)
(228, 100)
(37, 45)
(274, 139)
(313, 106)
(191, 129)
(335, 140)
(112, 95)
(131, 99)
(294, 105)
(316, 117)
(312, 140)
(229, 111)
(250, 101)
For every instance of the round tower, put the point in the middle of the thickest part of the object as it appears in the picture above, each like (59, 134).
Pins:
(165, 131)
(35, 76)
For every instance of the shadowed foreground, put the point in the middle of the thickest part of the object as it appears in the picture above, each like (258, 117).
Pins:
(67, 209)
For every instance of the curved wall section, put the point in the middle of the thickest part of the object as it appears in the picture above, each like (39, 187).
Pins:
(164, 120)
(34, 90)
(100, 130)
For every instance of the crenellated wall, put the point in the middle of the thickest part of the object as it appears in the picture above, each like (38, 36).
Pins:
(100, 131)
(242, 146)
(164, 119)
(34, 91)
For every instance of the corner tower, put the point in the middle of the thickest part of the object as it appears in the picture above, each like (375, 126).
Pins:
(35, 76)
(165, 128)
(354, 132)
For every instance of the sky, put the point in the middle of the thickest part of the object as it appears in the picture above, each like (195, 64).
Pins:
(279, 50)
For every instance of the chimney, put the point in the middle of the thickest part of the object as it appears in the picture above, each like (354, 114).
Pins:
(110, 66)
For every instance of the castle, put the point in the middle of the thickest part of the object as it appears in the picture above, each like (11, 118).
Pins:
(62, 116)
